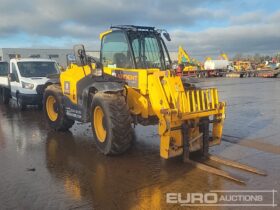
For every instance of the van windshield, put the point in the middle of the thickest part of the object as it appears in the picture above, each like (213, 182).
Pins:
(4, 68)
(37, 69)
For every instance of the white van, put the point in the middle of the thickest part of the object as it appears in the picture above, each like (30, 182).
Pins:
(27, 79)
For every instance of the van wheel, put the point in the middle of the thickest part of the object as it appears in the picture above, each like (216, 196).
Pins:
(40, 106)
(20, 104)
(111, 123)
(5, 96)
(54, 110)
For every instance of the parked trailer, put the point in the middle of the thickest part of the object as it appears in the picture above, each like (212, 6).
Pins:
(24, 80)
(254, 73)
(216, 64)
(204, 73)
(217, 67)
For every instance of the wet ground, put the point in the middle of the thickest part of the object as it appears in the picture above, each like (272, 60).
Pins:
(42, 169)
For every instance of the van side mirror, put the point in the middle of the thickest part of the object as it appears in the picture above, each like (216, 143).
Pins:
(12, 77)
(80, 55)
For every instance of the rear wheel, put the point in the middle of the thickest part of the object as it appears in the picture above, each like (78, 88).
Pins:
(111, 123)
(53, 109)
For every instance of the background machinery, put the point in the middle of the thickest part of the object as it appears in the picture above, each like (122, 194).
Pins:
(190, 66)
(218, 67)
(133, 84)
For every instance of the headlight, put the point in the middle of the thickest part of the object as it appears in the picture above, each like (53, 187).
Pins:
(27, 85)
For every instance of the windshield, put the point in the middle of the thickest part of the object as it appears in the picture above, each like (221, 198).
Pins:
(37, 69)
(4, 68)
(148, 50)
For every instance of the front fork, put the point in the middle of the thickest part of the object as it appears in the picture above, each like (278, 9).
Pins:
(204, 129)
(186, 144)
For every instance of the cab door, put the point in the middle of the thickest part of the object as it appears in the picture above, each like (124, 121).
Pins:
(117, 59)
(14, 80)
(115, 51)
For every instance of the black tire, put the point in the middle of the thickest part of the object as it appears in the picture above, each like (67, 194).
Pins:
(62, 123)
(116, 122)
(204, 128)
(20, 104)
(5, 96)
(40, 106)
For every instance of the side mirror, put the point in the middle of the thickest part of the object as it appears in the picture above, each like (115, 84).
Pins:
(80, 55)
(12, 77)
(167, 36)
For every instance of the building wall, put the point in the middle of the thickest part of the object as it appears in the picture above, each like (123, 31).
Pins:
(95, 54)
(58, 55)
(173, 56)
(1, 54)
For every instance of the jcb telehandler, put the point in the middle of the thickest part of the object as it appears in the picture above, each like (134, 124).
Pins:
(133, 84)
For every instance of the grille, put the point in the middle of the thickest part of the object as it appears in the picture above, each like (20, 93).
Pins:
(202, 100)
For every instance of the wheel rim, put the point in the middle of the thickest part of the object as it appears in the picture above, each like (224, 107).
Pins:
(98, 123)
(50, 106)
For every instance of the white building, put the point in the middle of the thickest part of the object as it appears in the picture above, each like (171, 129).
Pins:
(59, 55)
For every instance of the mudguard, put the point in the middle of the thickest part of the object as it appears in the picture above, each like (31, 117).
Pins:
(93, 84)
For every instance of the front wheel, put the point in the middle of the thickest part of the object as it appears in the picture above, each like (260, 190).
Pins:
(5, 96)
(111, 123)
(54, 110)
(20, 104)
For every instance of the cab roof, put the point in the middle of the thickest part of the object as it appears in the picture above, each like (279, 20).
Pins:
(130, 28)
(133, 28)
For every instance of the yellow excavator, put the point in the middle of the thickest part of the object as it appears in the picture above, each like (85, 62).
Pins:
(133, 84)
(242, 65)
(190, 64)
(224, 56)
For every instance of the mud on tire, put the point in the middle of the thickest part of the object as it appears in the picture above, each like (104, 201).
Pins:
(61, 123)
(116, 123)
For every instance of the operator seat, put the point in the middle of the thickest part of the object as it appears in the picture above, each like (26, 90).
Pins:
(120, 60)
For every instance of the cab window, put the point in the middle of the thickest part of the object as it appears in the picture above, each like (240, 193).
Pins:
(115, 51)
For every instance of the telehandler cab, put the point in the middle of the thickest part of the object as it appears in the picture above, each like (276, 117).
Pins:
(133, 84)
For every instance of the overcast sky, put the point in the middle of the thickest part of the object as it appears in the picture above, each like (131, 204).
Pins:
(202, 27)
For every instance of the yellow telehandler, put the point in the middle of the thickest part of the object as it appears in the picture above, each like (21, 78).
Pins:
(133, 84)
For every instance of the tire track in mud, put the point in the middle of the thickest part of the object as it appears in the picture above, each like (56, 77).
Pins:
(253, 143)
